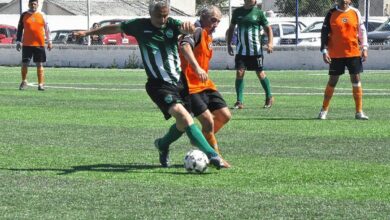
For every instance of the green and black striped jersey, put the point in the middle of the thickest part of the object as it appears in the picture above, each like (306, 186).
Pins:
(158, 46)
(249, 24)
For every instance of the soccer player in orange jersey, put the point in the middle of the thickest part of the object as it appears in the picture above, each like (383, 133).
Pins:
(344, 44)
(207, 103)
(32, 33)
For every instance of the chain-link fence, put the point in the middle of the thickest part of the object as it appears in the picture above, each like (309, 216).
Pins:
(82, 14)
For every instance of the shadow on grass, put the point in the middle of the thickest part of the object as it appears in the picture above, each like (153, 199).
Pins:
(274, 119)
(101, 168)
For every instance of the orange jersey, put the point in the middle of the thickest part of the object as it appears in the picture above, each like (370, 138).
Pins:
(344, 31)
(34, 28)
(203, 52)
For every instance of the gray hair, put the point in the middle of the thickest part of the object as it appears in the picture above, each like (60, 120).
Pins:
(157, 4)
(208, 11)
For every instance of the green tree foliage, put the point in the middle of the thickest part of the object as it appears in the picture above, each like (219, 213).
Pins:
(218, 3)
(306, 7)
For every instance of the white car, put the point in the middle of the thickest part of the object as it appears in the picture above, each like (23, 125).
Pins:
(311, 36)
(281, 29)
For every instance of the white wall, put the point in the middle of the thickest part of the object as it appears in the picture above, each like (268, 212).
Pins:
(299, 58)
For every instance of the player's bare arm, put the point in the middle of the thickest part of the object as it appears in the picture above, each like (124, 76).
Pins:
(190, 57)
(109, 29)
(229, 36)
(270, 35)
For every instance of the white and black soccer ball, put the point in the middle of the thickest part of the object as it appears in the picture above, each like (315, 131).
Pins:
(196, 161)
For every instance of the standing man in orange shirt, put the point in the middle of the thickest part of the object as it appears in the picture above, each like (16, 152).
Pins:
(207, 103)
(34, 29)
(344, 44)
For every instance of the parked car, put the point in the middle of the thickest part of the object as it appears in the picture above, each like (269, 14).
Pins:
(381, 35)
(279, 29)
(7, 34)
(119, 38)
(283, 28)
(311, 36)
(66, 37)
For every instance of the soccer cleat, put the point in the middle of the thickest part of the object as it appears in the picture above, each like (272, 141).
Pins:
(268, 102)
(163, 154)
(23, 85)
(322, 114)
(218, 162)
(361, 116)
(238, 105)
(41, 88)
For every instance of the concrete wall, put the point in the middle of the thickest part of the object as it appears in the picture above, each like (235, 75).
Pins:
(299, 58)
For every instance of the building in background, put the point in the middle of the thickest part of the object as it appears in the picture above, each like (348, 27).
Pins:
(99, 7)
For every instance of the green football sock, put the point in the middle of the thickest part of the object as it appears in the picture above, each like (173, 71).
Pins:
(170, 137)
(240, 89)
(266, 86)
(196, 136)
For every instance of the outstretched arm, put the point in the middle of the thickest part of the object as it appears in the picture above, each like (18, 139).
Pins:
(109, 29)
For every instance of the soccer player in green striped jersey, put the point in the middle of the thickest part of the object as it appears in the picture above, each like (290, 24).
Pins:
(157, 38)
(249, 20)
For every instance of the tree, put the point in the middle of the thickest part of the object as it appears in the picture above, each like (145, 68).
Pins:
(218, 3)
(306, 7)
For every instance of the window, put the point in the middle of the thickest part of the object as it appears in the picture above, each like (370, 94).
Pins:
(288, 29)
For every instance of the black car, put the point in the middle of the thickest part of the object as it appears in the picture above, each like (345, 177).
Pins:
(66, 37)
(381, 35)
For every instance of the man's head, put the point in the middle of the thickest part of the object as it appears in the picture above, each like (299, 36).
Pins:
(343, 3)
(250, 3)
(209, 18)
(159, 12)
(33, 5)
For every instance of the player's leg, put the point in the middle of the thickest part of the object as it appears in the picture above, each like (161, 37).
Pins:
(256, 64)
(336, 68)
(239, 82)
(41, 76)
(355, 67)
(169, 101)
(265, 83)
(184, 121)
(26, 57)
(239, 86)
(207, 122)
(39, 59)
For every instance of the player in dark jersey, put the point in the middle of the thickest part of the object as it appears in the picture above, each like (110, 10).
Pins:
(157, 38)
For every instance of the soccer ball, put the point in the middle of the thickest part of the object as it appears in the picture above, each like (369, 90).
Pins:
(196, 161)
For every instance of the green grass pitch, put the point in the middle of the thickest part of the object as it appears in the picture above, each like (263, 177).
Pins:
(83, 149)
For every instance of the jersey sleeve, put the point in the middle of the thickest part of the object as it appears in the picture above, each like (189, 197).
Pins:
(362, 32)
(325, 30)
(263, 20)
(46, 27)
(192, 39)
(131, 27)
(234, 17)
(20, 28)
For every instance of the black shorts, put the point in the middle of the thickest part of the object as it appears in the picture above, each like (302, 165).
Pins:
(249, 62)
(37, 53)
(337, 66)
(165, 94)
(208, 99)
